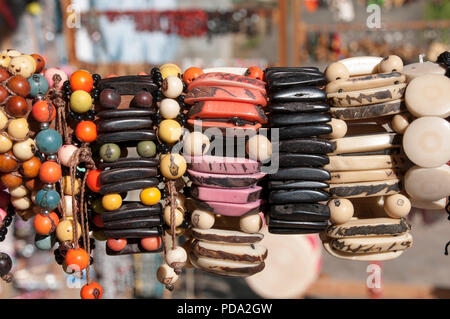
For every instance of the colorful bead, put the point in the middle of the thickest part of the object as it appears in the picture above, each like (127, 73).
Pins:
(255, 73)
(40, 62)
(4, 75)
(5, 144)
(21, 203)
(98, 222)
(21, 65)
(44, 242)
(170, 69)
(47, 199)
(150, 196)
(110, 152)
(250, 224)
(109, 98)
(65, 154)
(172, 166)
(30, 168)
(19, 191)
(43, 111)
(19, 85)
(50, 172)
(7, 162)
(112, 201)
(38, 85)
(116, 244)
(172, 87)
(3, 94)
(68, 185)
(91, 291)
(169, 131)
(151, 243)
(17, 106)
(81, 80)
(64, 230)
(191, 74)
(146, 149)
(49, 141)
(179, 216)
(80, 101)
(86, 131)
(18, 128)
(25, 150)
(93, 180)
(196, 143)
(10, 180)
(52, 73)
(77, 259)
(3, 120)
(45, 224)
(169, 108)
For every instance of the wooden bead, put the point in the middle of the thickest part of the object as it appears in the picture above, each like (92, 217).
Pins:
(43, 111)
(81, 80)
(150, 196)
(77, 259)
(172, 166)
(111, 201)
(109, 98)
(400, 123)
(68, 186)
(80, 101)
(202, 219)
(48, 199)
(169, 131)
(21, 65)
(93, 180)
(336, 71)
(19, 191)
(339, 128)
(49, 141)
(40, 62)
(341, 210)
(7, 162)
(179, 216)
(196, 144)
(44, 224)
(250, 224)
(21, 203)
(18, 128)
(170, 69)
(142, 99)
(151, 243)
(64, 231)
(397, 206)
(3, 120)
(38, 85)
(25, 150)
(3, 94)
(169, 108)
(65, 154)
(19, 85)
(259, 148)
(30, 168)
(392, 63)
(86, 131)
(116, 244)
(191, 74)
(146, 149)
(110, 152)
(10, 180)
(172, 87)
(17, 106)
(5, 144)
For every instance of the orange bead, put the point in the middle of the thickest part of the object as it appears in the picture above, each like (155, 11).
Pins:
(97, 220)
(151, 243)
(86, 131)
(91, 291)
(111, 76)
(142, 73)
(45, 224)
(11, 180)
(77, 259)
(43, 111)
(93, 180)
(50, 172)
(33, 184)
(31, 167)
(191, 74)
(81, 80)
(255, 73)
(116, 244)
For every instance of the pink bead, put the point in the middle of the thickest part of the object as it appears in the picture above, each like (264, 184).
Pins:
(65, 154)
(49, 73)
(2, 215)
(4, 199)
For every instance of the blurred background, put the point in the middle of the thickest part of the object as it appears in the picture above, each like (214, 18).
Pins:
(128, 37)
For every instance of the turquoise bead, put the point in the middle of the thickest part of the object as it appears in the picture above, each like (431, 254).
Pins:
(38, 85)
(44, 242)
(47, 199)
(48, 141)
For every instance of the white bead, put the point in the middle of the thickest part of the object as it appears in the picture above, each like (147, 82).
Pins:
(169, 108)
(196, 143)
(172, 87)
(336, 71)
(397, 206)
(68, 205)
(392, 63)
(179, 216)
(21, 203)
(19, 191)
(202, 219)
(339, 128)
(166, 275)
(259, 148)
(65, 154)
(341, 210)
(250, 224)
(400, 123)
(176, 258)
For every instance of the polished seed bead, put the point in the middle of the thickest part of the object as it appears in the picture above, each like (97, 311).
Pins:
(30, 168)
(38, 84)
(18, 128)
(50, 172)
(341, 210)
(19, 85)
(146, 149)
(172, 166)
(93, 180)
(169, 131)
(179, 216)
(196, 144)
(65, 154)
(43, 111)
(40, 62)
(4, 75)
(3, 94)
(169, 69)
(21, 65)
(49, 141)
(202, 219)
(86, 131)
(19, 191)
(21, 203)
(25, 150)
(3, 120)
(150, 196)
(64, 231)
(112, 201)
(151, 243)
(81, 80)
(172, 87)
(48, 199)
(142, 99)
(7, 162)
(110, 152)
(110, 98)
(17, 106)
(116, 244)
(169, 108)
(191, 74)
(80, 101)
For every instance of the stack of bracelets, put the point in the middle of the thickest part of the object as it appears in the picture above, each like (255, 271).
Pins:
(138, 161)
(299, 111)
(225, 202)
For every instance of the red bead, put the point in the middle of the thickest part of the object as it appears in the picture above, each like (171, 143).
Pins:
(43, 111)
(93, 180)
(81, 80)
(97, 220)
(50, 172)
(19, 85)
(86, 131)
(116, 244)
(4, 75)
(17, 106)
(77, 259)
(40, 62)
(91, 291)
(255, 73)
(151, 243)
(3, 94)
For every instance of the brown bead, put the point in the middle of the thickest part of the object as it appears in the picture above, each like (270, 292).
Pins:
(10, 180)
(19, 85)
(33, 184)
(7, 162)
(3, 94)
(31, 167)
(17, 106)
(4, 75)
(40, 62)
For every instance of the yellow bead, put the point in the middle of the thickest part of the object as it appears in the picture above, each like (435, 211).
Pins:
(64, 230)
(170, 69)
(179, 216)
(112, 201)
(3, 120)
(5, 144)
(18, 128)
(169, 131)
(68, 186)
(173, 166)
(80, 101)
(150, 196)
